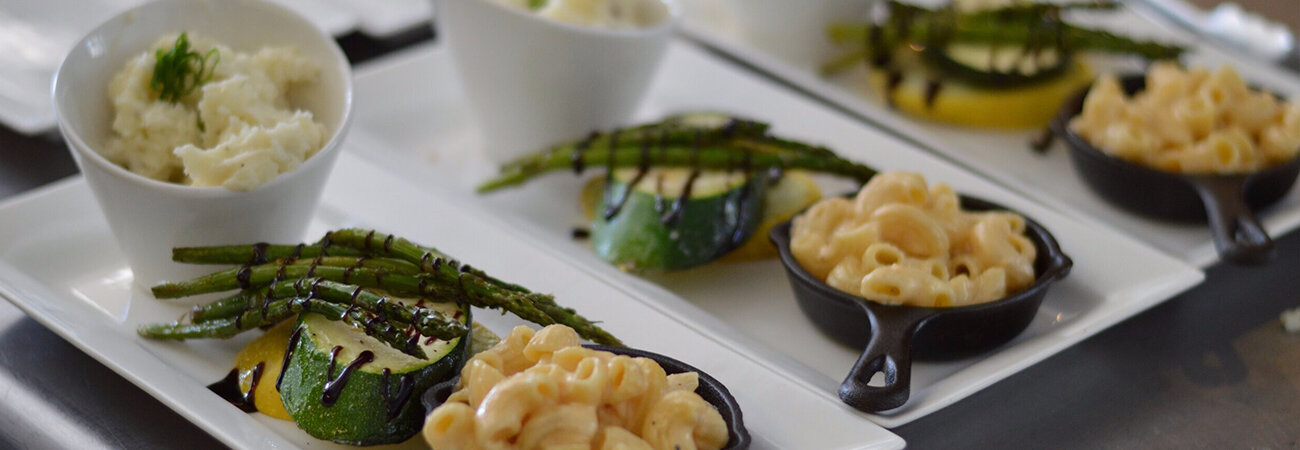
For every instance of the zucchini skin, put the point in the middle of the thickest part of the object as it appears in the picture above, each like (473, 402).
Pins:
(360, 415)
(636, 239)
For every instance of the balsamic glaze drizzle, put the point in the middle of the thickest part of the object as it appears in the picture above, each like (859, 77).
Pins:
(932, 91)
(609, 161)
(311, 271)
(578, 233)
(643, 166)
(879, 55)
(670, 214)
(660, 205)
(674, 215)
(893, 79)
(326, 241)
(288, 353)
(1043, 142)
(395, 401)
(229, 390)
(369, 237)
(334, 385)
(347, 273)
(259, 253)
(244, 276)
(735, 236)
(413, 334)
(578, 157)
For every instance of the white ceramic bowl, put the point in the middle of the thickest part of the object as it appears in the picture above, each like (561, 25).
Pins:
(795, 30)
(150, 217)
(534, 82)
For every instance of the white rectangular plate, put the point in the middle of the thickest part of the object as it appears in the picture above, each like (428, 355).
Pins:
(59, 264)
(1005, 155)
(413, 119)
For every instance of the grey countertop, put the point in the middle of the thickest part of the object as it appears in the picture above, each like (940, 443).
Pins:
(1210, 369)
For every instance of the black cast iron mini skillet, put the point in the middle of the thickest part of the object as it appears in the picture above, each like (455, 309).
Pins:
(893, 334)
(1227, 200)
(710, 389)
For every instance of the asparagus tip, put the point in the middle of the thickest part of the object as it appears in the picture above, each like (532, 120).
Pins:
(166, 290)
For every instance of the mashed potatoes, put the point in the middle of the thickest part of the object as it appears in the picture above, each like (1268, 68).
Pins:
(598, 13)
(237, 131)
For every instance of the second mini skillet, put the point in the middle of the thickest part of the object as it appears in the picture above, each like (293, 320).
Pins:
(893, 334)
(1228, 201)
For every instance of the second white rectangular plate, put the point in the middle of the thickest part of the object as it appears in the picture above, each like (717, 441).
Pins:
(1005, 155)
(412, 119)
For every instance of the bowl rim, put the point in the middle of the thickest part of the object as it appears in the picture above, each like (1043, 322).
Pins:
(1073, 107)
(333, 145)
(671, 8)
(1058, 267)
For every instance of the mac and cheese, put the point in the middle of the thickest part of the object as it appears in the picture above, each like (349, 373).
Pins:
(1191, 121)
(901, 242)
(542, 389)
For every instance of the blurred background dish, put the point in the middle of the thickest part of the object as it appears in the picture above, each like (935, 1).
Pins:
(534, 81)
(767, 23)
(1005, 155)
(1228, 201)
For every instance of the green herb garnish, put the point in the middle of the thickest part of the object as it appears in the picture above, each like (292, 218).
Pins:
(535, 5)
(180, 71)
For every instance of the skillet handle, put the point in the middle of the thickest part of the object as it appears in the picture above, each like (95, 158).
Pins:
(1238, 235)
(889, 351)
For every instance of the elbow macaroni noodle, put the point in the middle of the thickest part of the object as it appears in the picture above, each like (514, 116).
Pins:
(542, 389)
(1191, 121)
(901, 242)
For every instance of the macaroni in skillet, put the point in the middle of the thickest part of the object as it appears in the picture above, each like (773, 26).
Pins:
(1191, 121)
(544, 390)
(901, 242)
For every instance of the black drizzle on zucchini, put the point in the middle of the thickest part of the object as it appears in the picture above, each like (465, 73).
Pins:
(614, 204)
(288, 353)
(333, 385)
(740, 207)
(366, 396)
(396, 400)
(680, 192)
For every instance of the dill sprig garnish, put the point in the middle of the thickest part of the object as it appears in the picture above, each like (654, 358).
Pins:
(179, 71)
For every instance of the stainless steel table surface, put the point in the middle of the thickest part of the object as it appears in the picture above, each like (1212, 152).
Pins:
(1210, 369)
